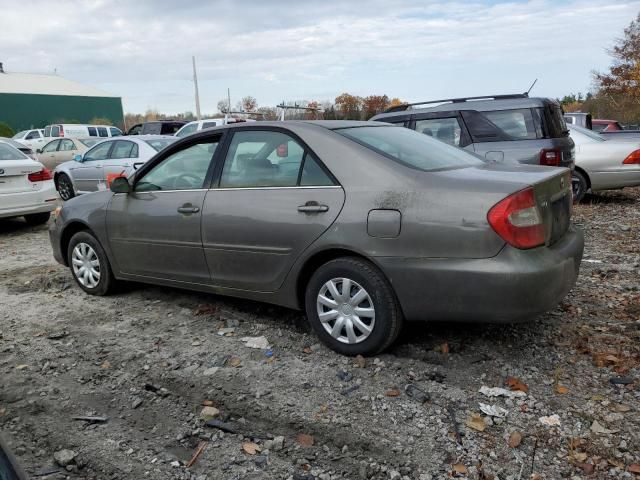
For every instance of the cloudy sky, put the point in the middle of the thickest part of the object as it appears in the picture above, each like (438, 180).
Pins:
(312, 49)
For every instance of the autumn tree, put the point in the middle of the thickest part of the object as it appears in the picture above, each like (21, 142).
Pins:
(249, 103)
(374, 104)
(223, 106)
(349, 106)
(395, 102)
(620, 86)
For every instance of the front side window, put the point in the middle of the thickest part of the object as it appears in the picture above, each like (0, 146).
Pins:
(99, 152)
(115, 132)
(33, 134)
(446, 130)
(66, 145)
(51, 146)
(124, 149)
(187, 130)
(518, 124)
(185, 169)
(262, 159)
(102, 132)
(410, 148)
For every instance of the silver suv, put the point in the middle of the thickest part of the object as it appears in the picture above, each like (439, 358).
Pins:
(500, 128)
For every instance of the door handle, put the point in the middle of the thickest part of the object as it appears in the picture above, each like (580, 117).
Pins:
(313, 207)
(188, 209)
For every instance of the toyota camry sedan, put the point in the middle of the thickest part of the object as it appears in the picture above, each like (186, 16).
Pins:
(363, 225)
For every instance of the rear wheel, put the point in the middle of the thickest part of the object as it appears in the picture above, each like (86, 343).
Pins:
(89, 264)
(352, 307)
(65, 187)
(579, 185)
(37, 218)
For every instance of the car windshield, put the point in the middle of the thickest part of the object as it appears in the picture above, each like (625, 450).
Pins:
(7, 152)
(159, 144)
(411, 148)
(588, 133)
(20, 134)
(89, 142)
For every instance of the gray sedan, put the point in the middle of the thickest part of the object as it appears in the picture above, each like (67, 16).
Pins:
(93, 170)
(361, 224)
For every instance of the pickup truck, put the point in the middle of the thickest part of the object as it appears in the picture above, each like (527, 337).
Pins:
(608, 129)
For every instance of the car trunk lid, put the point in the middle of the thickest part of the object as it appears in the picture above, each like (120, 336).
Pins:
(14, 176)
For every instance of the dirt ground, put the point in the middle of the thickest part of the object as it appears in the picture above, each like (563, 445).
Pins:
(149, 359)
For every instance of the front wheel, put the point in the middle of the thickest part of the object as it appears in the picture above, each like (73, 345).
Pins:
(65, 187)
(352, 307)
(89, 264)
(579, 185)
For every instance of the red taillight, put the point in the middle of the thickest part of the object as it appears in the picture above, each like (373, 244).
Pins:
(517, 220)
(61, 131)
(551, 158)
(633, 158)
(41, 176)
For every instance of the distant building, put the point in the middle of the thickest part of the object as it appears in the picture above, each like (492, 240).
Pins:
(29, 100)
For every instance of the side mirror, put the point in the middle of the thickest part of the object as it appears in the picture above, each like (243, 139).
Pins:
(39, 150)
(77, 157)
(120, 185)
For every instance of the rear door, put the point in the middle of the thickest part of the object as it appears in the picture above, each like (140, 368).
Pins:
(90, 172)
(154, 231)
(66, 151)
(272, 200)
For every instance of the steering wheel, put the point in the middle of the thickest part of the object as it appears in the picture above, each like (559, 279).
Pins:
(186, 180)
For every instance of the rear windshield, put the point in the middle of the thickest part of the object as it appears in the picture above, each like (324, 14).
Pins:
(160, 143)
(588, 133)
(20, 134)
(410, 148)
(7, 152)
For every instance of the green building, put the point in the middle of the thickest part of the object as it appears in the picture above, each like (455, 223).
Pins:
(30, 100)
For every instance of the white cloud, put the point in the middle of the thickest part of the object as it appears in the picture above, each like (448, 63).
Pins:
(278, 49)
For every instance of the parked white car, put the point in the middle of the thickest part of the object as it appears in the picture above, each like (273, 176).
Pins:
(198, 125)
(77, 130)
(603, 165)
(20, 146)
(26, 187)
(33, 139)
(106, 160)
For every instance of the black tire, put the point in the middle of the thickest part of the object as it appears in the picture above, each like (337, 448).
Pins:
(37, 218)
(65, 187)
(388, 316)
(106, 283)
(579, 185)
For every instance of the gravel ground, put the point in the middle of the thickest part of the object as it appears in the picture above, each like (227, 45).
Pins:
(149, 359)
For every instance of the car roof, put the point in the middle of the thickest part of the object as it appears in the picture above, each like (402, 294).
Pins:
(291, 124)
(480, 105)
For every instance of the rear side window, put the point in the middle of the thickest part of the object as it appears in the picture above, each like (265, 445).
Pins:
(92, 131)
(55, 131)
(47, 131)
(151, 129)
(446, 130)
(556, 126)
(410, 148)
(102, 132)
(518, 124)
(159, 144)
(123, 149)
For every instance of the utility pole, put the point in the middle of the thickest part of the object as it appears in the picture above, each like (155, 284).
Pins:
(195, 83)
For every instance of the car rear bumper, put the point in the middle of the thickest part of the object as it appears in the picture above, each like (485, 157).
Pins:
(515, 285)
(26, 203)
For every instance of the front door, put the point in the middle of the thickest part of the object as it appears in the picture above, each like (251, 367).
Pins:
(154, 231)
(88, 173)
(274, 199)
(48, 154)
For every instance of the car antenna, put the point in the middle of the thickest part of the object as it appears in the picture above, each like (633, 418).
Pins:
(531, 87)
